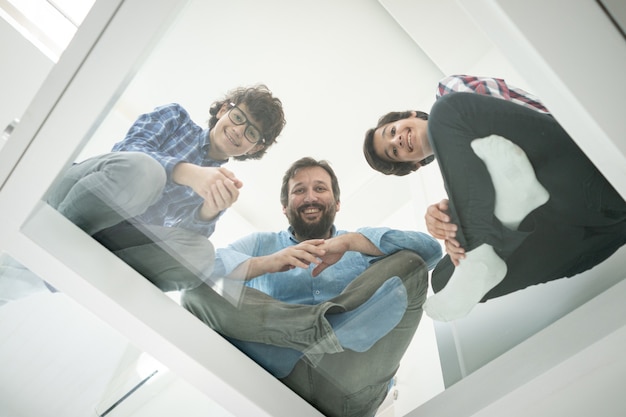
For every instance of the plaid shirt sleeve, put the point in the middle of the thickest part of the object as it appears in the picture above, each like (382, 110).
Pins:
(153, 133)
(495, 87)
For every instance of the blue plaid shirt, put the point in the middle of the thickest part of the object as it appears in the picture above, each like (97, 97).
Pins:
(297, 285)
(170, 136)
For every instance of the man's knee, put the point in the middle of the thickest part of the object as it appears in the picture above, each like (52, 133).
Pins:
(411, 269)
(192, 300)
(404, 263)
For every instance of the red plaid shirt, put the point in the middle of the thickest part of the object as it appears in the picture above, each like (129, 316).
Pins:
(487, 86)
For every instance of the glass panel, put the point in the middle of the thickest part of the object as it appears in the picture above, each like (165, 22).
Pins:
(329, 99)
(76, 365)
(320, 107)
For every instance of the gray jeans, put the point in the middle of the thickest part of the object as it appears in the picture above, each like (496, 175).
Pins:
(100, 193)
(338, 382)
(107, 189)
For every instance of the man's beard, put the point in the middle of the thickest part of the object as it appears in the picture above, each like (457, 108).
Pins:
(312, 230)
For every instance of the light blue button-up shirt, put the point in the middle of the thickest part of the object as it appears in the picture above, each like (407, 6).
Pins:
(298, 285)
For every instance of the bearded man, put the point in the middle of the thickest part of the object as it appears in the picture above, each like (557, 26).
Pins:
(328, 312)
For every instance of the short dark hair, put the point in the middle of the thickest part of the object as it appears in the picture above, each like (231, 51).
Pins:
(308, 162)
(263, 106)
(388, 167)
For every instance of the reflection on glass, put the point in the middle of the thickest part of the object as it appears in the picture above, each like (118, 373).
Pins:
(328, 312)
(119, 210)
(156, 198)
(329, 78)
(76, 364)
(516, 200)
(142, 379)
(18, 282)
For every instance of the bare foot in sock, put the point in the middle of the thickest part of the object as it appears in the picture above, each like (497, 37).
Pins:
(480, 271)
(518, 192)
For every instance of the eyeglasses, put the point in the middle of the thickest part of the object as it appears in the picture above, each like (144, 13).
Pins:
(238, 117)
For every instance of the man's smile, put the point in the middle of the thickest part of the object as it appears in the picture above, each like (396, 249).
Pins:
(311, 210)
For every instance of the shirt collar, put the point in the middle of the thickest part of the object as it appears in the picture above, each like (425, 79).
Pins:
(292, 236)
(206, 145)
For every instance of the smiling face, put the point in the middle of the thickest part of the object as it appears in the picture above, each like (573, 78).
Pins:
(227, 138)
(311, 204)
(405, 140)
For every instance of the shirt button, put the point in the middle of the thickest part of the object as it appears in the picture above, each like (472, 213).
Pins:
(317, 292)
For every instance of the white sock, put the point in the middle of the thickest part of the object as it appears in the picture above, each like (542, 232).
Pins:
(518, 192)
(480, 271)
